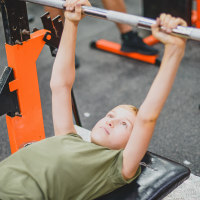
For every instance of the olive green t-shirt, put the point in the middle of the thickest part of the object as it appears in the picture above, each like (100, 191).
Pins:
(61, 168)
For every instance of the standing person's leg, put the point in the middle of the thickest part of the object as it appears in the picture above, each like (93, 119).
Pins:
(131, 42)
(117, 5)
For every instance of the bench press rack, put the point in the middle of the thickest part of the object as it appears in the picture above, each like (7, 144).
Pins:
(19, 89)
(20, 101)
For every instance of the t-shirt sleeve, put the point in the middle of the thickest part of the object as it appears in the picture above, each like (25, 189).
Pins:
(74, 135)
(116, 171)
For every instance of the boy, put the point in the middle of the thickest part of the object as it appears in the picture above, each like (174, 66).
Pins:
(65, 167)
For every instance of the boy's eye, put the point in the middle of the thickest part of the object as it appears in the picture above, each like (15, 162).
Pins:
(124, 123)
(110, 115)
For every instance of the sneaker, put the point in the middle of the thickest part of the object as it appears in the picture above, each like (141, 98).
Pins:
(131, 42)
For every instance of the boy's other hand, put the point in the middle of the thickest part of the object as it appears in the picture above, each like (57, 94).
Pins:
(73, 10)
(167, 22)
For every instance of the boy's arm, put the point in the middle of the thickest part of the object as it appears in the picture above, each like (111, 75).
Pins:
(62, 79)
(63, 73)
(150, 109)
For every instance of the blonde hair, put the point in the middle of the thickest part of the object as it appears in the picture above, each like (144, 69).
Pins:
(131, 108)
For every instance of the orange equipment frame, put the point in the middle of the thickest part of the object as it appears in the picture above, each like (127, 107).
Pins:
(28, 125)
(196, 15)
(113, 47)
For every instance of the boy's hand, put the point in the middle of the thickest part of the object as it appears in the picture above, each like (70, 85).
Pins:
(167, 22)
(73, 10)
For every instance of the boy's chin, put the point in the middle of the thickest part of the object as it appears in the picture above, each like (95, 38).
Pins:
(98, 139)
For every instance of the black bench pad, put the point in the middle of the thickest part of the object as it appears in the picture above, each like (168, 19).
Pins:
(158, 178)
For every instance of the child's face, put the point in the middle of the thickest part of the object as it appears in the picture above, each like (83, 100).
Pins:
(114, 130)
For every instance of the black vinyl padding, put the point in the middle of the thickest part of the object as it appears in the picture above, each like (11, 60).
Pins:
(158, 178)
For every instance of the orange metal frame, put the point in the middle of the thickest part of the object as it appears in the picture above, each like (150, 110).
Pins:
(115, 48)
(196, 15)
(28, 126)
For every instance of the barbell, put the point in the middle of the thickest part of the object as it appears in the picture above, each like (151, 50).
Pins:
(114, 16)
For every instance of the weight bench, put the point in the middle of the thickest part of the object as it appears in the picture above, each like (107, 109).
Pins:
(158, 178)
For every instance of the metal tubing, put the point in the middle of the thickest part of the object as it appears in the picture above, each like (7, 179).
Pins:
(140, 22)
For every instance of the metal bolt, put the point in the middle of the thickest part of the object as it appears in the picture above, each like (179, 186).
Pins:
(18, 42)
(17, 114)
(48, 37)
(14, 28)
(25, 32)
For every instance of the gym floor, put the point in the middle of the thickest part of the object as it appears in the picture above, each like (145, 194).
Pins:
(105, 80)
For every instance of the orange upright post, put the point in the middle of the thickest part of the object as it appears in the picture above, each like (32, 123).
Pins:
(28, 125)
(198, 14)
(195, 18)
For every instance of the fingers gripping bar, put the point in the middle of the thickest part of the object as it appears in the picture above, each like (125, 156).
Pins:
(140, 22)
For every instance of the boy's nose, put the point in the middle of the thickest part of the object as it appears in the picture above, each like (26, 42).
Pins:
(110, 123)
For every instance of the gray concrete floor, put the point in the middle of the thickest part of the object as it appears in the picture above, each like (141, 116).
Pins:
(105, 80)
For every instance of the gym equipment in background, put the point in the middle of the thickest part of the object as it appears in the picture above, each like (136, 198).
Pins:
(133, 20)
(177, 8)
(196, 14)
(140, 22)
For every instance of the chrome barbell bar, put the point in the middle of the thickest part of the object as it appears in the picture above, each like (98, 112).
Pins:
(114, 16)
